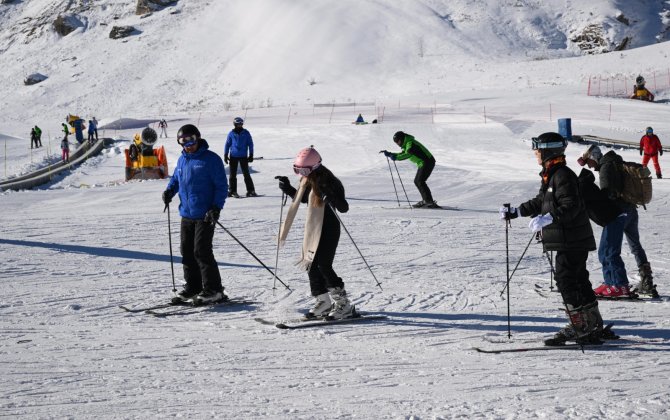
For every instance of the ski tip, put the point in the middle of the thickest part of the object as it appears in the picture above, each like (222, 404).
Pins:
(282, 326)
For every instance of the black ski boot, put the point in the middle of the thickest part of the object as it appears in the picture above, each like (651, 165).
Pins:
(184, 296)
(585, 327)
(207, 297)
(646, 285)
(419, 204)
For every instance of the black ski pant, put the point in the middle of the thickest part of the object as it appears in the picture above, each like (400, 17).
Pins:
(420, 180)
(321, 274)
(232, 180)
(201, 271)
(572, 278)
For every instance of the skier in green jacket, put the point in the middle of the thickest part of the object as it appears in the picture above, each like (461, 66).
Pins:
(417, 153)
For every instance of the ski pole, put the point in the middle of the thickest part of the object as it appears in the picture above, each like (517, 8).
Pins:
(550, 258)
(252, 254)
(402, 185)
(284, 198)
(392, 179)
(167, 207)
(517, 264)
(356, 246)
(508, 224)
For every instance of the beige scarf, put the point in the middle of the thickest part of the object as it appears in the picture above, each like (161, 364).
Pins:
(313, 225)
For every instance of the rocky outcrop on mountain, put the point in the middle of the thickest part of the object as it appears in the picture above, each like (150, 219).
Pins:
(119, 32)
(34, 79)
(149, 6)
(66, 24)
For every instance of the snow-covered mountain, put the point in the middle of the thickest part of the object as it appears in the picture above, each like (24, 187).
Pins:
(198, 55)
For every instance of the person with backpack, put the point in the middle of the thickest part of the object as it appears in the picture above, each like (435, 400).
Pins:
(324, 194)
(239, 149)
(650, 148)
(200, 181)
(424, 160)
(611, 179)
(559, 216)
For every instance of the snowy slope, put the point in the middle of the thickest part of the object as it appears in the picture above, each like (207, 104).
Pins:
(195, 56)
(75, 249)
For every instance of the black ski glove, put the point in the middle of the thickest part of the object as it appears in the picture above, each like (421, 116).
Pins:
(660, 152)
(640, 152)
(284, 184)
(212, 216)
(167, 197)
(226, 159)
(251, 158)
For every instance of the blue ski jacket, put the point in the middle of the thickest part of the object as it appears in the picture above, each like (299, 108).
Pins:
(200, 180)
(239, 143)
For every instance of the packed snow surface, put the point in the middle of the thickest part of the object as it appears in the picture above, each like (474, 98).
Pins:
(76, 248)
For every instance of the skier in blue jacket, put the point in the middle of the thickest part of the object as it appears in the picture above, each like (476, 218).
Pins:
(200, 180)
(239, 149)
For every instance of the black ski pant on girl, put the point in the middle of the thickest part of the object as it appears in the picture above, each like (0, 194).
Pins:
(321, 274)
(572, 278)
(201, 271)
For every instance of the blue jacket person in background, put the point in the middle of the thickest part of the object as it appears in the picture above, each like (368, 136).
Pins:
(200, 180)
(239, 149)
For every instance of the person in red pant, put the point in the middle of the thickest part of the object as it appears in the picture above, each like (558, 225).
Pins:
(650, 148)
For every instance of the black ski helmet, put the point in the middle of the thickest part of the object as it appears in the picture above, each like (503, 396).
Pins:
(399, 137)
(550, 145)
(188, 133)
(639, 80)
(149, 136)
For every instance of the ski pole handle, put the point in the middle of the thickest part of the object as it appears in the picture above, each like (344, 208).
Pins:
(508, 206)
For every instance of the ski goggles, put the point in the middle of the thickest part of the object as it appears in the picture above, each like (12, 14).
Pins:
(538, 144)
(304, 170)
(187, 141)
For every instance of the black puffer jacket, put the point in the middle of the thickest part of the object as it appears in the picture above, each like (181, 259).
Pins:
(601, 209)
(611, 178)
(571, 228)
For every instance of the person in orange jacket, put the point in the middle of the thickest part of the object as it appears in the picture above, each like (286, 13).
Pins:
(650, 148)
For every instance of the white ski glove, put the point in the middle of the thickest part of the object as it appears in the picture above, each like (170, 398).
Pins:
(508, 213)
(538, 222)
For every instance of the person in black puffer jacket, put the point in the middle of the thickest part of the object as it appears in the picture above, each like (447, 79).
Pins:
(559, 213)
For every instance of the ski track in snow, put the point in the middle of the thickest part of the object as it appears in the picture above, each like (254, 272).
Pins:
(75, 249)
(76, 254)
